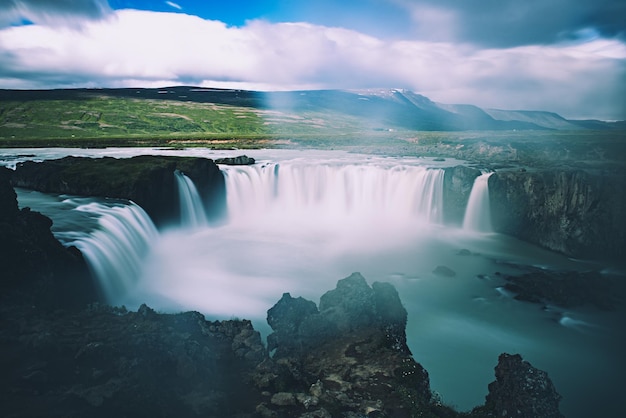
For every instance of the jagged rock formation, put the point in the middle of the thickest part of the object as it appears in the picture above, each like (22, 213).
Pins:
(574, 212)
(146, 180)
(36, 268)
(348, 357)
(521, 391)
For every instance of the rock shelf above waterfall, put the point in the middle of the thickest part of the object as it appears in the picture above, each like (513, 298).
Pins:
(147, 180)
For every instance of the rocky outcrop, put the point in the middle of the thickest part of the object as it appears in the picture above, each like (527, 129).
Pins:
(105, 362)
(239, 160)
(566, 289)
(147, 180)
(575, 212)
(348, 357)
(36, 268)
(520, 391)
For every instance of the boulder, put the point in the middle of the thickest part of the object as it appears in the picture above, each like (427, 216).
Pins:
(148, 181)
(567, 289)
(353, 305)
(520, 390)
(348, 357)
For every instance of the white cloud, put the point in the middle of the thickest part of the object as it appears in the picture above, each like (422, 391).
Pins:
(143, 48)
(174, 5)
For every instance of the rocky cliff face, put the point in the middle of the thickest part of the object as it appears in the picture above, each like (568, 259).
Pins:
(147, 180)
(35, 267)
(574, 212)
(457, 187)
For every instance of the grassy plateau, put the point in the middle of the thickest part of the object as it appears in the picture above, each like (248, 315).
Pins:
(240, 120)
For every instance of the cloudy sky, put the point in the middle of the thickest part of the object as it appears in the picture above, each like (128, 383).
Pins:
(566, 56)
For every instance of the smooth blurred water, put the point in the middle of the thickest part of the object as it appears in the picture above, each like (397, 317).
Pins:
(478, 212)
(299, 221)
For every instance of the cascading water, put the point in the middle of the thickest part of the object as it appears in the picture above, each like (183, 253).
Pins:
(116, 250)
(192, 214)
(478, 213)
(334, 196)
(301, 224)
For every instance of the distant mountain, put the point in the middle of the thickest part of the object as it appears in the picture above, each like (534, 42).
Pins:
(546, 120)
(377, 109)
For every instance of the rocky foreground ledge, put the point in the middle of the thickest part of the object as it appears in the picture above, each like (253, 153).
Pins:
(347, 359)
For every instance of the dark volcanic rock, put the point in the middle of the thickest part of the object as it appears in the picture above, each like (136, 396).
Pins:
(521, 391)
(348, 357)
(574, 212)
(567, 289)
(299, 326)
(239, 160)
(105, 362)
(36, 268)
(147, 180)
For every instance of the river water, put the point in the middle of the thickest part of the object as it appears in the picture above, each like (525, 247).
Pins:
(298, 221)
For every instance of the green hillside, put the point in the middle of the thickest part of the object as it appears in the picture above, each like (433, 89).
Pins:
(111, 118)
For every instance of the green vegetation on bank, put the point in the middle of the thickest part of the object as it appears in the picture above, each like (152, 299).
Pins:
(113, 121)
(97, 120)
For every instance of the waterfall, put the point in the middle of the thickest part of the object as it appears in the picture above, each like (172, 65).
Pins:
(478, 212)
(334, 194)
(192, 214)
(116, 250)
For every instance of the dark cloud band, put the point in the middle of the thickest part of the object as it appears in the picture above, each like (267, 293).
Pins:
(46, 10)
(506, 23)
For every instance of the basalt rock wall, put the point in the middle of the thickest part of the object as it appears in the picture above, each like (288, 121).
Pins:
(34, 267)
(575, 212)
(146, 180)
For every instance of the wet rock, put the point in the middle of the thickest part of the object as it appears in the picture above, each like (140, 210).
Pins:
(350, 355)
(444, 271)
(520, 390)
(567, 289)
(239, 160)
